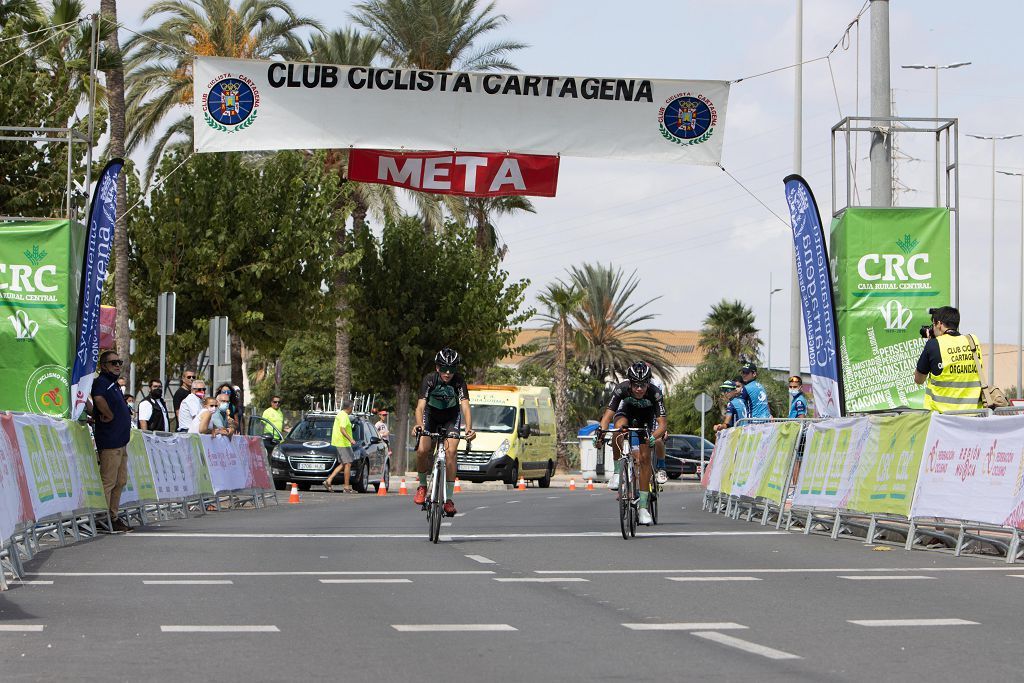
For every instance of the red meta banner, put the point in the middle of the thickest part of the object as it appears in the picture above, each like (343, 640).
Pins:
(472, 174)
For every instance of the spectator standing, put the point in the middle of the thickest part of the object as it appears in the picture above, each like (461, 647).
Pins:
(382, 427)
(275, 417)
(341, 438)
(112, 432)
(182, 393)
(735, 408)
(950, 364)
(797, 400)
(192, 405)
(753, 393)
(222, 422)
(152, 409)
(202, 423)
(130, 400)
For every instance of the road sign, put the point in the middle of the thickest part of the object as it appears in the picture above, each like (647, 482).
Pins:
(165, 304)
(702, 403)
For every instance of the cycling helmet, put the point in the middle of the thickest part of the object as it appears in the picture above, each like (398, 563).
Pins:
(639, 372)
(447, 357)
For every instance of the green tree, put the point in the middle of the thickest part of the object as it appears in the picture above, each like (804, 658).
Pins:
(561, 301)
(159, 59)
(416, 293)
(238, 239)
(729, 330)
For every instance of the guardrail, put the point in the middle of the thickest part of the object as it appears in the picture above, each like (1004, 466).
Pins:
(924, 479)
(50, 488)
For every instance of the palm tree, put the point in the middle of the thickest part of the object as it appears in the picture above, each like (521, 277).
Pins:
(20, 13)
(562, 301)
(443, 35)
(484, 209)
(159, 59)
(729, 331)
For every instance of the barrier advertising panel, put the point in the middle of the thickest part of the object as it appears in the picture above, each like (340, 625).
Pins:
(887, 473)
(236, 463)
(831, 455)
(781, 451)
(891, 266)
(15, 498)
(40, 266)
(140, 487)
(713, 474)
(973, 469)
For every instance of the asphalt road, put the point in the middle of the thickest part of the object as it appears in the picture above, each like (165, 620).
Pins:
(532, 585)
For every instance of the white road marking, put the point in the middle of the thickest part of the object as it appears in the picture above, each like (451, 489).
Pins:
(481, 559)
(21, 628)
(545, 579)
(809, 570)
(419, 537)
(912, 622)
(712, 578)
(1016, 576)
(745, 645)
(17, 582)
(460, 514)
(446, 523)
(293, 573)
(511, 501)
(481, 507)
(553, 497)
(188, 582)
(897, 577)
(428, 628)
(687, 626)
(365, 580)
(212, 628)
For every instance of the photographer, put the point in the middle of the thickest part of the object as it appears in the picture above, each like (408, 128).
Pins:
(949, 363)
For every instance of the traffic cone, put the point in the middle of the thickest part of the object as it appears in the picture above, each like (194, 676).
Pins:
(402, 491)
(572, 484)
(294, 498)
(382, 490)
(522, 484)
(458, 486)
(590, 484)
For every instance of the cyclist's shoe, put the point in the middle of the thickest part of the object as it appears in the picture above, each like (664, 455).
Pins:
(661, 477)
(613, 483)
(644, 517)
(449, 507)
(421, 496)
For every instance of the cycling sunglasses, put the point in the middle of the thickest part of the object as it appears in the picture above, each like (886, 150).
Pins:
(447, 368)
(639, 385)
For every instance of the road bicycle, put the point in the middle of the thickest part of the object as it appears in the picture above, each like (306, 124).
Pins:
(437, 492)
(629, 486)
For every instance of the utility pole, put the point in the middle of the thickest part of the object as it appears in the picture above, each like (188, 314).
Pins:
(881, 152)
(795, 314)
(1020, 299)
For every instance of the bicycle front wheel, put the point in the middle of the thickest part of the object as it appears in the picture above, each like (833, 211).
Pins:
(434, 521)
(633, 501)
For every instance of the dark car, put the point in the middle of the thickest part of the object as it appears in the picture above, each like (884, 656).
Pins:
(305, 456)
(682, 454)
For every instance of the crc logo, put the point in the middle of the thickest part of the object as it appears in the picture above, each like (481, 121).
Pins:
(896, 316)
(892, 267)
(24, 328)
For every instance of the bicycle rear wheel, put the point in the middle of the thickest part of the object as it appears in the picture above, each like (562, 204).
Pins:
(652, 506)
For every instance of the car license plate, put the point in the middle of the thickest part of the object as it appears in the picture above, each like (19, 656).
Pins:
(309, 466)
(470, 468)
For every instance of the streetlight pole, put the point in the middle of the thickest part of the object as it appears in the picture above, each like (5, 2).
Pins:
(936, 68)
(1020, 300)
(771, 292)
(992, 262)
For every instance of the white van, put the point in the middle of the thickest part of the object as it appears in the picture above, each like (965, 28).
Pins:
(515, 435)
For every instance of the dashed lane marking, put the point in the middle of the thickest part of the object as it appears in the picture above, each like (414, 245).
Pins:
(912, 622)
(745, 645)
(897, 577)
(21, 628)
(481, 559)
(365, 580)
(292, 573)
(773, 570)
(188, 582)
(17, 582)
(433, 628)
(712, 578)
(544, 579)
(219, 628)
(687, 626)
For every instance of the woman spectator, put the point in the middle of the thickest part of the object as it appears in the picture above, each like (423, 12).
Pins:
(203, 422)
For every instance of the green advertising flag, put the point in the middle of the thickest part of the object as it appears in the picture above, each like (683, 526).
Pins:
(891, 266)
(40, 269)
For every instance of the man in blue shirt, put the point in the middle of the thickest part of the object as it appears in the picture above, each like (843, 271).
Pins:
(112, 432)
(797, 401)
(753, 393)
(735, 408)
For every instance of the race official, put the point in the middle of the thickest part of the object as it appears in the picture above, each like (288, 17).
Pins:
(947, 365)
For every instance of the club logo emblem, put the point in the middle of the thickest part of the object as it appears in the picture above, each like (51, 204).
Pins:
(687, 119)
(231, 103)
(896, 315)
(24, 328)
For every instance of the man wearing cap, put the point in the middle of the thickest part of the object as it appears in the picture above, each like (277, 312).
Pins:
(382, 429)
(753, 393)
(797, 401)
(735, 408)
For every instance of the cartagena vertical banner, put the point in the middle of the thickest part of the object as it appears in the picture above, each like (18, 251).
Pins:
(815, 280)
(38, 309)
(97, 256)
(891, 265)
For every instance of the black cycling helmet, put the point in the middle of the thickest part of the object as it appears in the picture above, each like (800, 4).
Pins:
(447, 357)
(639, 372)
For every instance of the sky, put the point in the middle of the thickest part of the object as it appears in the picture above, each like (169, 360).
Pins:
(691, 233)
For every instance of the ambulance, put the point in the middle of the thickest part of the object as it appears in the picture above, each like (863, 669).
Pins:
(515, 435)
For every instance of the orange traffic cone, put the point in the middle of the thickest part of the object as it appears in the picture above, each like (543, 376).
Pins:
(402, 491)
(522, 484)
(382, 489)
(590, 484)
(458, 486)
(294, 498)
(572, 484)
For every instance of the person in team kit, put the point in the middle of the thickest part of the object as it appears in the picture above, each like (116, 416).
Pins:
(442, 408)
(753, 393)
(797, 400)
(636, 403)
(735, 408)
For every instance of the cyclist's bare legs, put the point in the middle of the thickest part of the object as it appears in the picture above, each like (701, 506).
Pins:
(451, 447)
(643, 468)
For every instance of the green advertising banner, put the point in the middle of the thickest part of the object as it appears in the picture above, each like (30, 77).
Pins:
(889, 465)
(782, 449)
(891, 266)
(40, 273)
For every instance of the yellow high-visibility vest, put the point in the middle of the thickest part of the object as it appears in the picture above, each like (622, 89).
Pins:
(958, 386)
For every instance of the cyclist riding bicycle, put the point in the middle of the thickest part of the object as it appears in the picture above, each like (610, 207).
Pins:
(660, 473)
(442, 408)
(636, 403)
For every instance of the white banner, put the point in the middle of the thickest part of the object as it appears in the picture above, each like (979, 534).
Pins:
(832, 453)
(15, 499)
(249, 105)
(973, 469)
(721, 460)
(178, 465)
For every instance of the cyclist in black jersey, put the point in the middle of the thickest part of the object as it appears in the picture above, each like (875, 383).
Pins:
(443, 407)
(636, 403)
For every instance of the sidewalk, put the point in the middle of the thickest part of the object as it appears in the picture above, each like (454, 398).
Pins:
(559, 481)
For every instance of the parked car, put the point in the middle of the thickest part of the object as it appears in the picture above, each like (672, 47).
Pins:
(682, 454)
(305, 456)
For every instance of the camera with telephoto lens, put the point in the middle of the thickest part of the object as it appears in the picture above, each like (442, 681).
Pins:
(926, 330)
